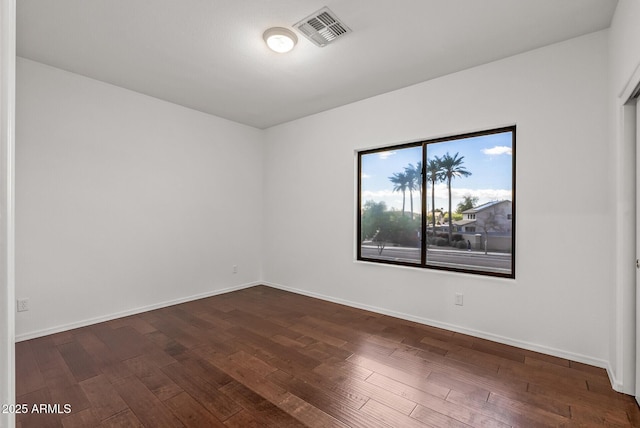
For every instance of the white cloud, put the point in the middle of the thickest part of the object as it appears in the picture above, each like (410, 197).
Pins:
(365, 175)
(457, 195)
(378, 194)
(498, 150)
(394, 199)
(385, 155)
(485, 195)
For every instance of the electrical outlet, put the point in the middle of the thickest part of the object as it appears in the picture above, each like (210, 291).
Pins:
(235, 268)
(458, 299)
(23, 305)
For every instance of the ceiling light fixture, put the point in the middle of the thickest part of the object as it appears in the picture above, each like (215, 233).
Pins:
(280, 39)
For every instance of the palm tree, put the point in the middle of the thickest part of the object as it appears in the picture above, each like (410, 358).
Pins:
(400, 184)
(434, 175)
(451, 167)
(418, 172)
(413, 183)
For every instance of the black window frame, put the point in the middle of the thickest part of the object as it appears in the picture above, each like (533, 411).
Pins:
(423, 244)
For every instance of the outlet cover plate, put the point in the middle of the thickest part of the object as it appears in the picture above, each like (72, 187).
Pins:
(459, 299)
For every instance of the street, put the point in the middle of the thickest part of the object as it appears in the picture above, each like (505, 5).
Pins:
(474, 260)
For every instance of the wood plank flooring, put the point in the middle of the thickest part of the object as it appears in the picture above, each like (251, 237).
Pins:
(262, 357)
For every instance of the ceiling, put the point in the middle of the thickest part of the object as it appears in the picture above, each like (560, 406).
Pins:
(209, 54)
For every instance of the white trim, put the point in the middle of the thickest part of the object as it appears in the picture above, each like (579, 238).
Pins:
(630, 86)
(616, 384)
(451, 327)
(7, 211)
(623, 372)
(134, 311)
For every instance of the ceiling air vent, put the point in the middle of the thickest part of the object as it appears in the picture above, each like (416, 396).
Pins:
(322, 27)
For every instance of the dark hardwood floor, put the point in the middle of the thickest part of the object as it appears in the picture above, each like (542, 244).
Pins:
(264, 357)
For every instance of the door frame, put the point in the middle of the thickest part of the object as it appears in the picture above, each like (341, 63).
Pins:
(627, 208)
(7, 190)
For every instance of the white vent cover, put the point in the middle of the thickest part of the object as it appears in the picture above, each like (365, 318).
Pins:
(322, 27)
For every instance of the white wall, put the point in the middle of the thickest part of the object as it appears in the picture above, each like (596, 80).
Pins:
(625, 38)
(624, 49)
(561, 299)
(126, 202)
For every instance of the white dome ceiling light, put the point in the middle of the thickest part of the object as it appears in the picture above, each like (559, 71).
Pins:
(280, 39)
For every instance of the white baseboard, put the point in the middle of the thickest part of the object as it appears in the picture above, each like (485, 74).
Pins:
(109, 317)
(471, 332)
(615, 383)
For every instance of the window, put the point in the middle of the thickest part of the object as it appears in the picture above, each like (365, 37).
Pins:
(447, 203)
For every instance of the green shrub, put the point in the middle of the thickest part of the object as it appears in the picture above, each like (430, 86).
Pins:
(441, 242)
(461, 244)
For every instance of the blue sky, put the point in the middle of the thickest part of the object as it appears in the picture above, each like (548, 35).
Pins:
(487, 157)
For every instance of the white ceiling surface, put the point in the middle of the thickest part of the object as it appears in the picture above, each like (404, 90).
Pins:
(209, 54)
